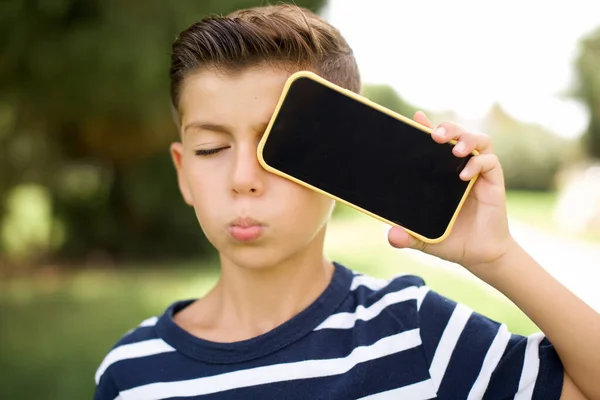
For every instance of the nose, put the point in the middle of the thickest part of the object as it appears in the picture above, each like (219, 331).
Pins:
(247, 174)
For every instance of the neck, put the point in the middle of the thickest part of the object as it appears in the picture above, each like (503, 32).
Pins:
(256, 300)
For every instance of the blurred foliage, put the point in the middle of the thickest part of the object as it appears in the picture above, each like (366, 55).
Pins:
(85, 118)
(588, 70)
(531, 156)
(84, 313)
(386, 96)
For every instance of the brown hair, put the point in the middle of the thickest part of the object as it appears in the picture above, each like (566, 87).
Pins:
(283, 35)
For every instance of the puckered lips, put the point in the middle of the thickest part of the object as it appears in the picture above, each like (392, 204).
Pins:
(245, 229)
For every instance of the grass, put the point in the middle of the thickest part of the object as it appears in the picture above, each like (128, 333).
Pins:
(537, 209)
(360, 242)
(55, 328)
(534, 208)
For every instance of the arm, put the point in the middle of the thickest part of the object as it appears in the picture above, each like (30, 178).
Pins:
(571, 325)
(481, 242)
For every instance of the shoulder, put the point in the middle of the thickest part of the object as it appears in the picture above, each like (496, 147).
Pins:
(368, 290)
(374, 303)
(135, 344)
(373, 283)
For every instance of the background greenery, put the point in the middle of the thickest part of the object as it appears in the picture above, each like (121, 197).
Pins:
(94, 236)
(57, 326)
(85, 127)
(85, 122)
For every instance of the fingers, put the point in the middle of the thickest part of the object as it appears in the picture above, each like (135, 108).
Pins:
(422, 119)
(486, 165)
(466, 142)
(399, 238)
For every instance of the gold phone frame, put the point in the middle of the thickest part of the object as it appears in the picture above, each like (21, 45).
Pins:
(317, 78)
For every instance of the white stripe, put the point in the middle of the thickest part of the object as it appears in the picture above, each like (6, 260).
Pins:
(531, 366)
(376, 284)
(133, 350)
(417, 391)
(277, 372)
(346, 320)
(149, 322)
(490, 362)
(423, 290)
(368, 281)
(445, 348)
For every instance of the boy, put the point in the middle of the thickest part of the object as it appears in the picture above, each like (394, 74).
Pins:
(284, 322)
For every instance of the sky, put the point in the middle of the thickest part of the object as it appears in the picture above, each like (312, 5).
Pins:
(465, 55)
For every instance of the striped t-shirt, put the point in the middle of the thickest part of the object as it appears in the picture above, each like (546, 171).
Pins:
(363, 338)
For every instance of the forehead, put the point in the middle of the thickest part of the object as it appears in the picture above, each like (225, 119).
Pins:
(231, 98)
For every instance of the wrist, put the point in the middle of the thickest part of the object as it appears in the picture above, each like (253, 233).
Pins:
(504, 262)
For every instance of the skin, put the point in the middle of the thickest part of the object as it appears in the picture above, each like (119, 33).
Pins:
(495, 257)
(267, 281)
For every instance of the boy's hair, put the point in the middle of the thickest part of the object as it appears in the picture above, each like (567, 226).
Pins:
(284, 36)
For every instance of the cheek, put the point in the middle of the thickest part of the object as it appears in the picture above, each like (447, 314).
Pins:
(307, 204)
(205, 184)
(206, 202)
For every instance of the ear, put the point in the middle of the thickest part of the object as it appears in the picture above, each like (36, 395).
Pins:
(177, 156)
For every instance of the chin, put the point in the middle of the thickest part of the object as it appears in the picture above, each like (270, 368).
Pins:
(253, 258)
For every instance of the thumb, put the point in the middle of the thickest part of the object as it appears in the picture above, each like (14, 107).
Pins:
(399, 238)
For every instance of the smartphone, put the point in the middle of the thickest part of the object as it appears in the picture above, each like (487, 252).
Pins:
(364, 155)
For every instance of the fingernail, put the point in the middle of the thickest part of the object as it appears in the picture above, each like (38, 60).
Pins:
(460, 147)
(440, 131)
(464, 173)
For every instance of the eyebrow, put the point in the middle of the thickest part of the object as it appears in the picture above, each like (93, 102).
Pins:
(208, 126)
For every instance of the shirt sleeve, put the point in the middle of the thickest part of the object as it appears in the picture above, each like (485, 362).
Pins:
(473, 357)
(106, 389)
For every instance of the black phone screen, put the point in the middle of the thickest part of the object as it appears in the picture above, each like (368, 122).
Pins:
(365, 157)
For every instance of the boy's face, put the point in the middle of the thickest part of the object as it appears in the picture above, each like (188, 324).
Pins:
(252, 217)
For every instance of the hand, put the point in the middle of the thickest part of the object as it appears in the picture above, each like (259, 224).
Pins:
(480, 234)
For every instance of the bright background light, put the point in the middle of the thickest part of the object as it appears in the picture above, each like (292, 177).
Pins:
(464, 55)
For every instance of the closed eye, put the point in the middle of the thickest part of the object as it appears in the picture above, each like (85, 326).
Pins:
(208, 152)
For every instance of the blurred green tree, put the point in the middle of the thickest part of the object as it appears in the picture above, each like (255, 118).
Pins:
(588, 71)
(84, 112)
(531, 156)
(386, 96)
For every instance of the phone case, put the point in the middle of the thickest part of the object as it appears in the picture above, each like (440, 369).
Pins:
(317, 78)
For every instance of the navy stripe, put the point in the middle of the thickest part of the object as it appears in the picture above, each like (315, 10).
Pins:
(548, 385)
(304, 338)
(434, 315)
(365, 379)
(468, 356)
(317, 346)
(505, 379)
(405, 308)
(276, 339)
(367, 297)
(106, 389)
(138, 335)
